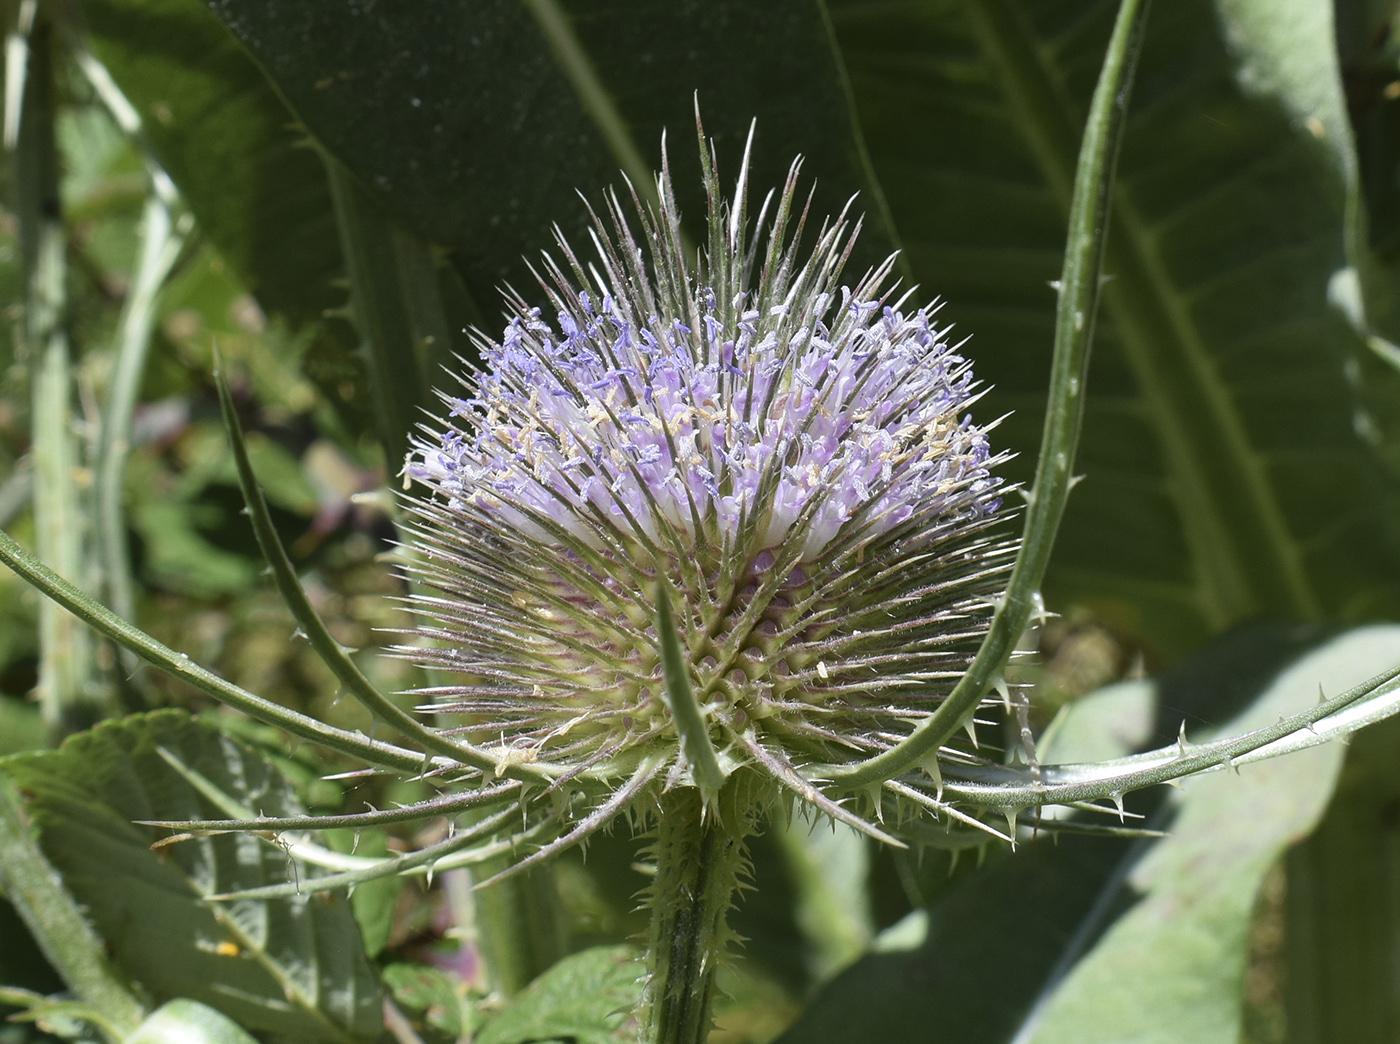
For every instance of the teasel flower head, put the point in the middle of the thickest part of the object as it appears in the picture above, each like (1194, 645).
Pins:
(704, 516)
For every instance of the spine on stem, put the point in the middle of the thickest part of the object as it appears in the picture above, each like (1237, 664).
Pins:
(699, 856)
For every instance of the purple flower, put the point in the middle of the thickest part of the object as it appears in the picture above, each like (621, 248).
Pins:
(793, 451)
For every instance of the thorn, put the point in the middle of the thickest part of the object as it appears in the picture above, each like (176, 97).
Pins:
(971, 727)
(1004, 691)
(1174, 783)
(1028, 495)
(1074, 480)
(1055, 285)
(1117, 797)
(953, 861)
(1321, 696)
(1011, 826)
(1181, 740)
(929, 763)
(872, 793)
(981, 855)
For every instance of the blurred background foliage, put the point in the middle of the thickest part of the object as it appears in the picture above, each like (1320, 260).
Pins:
(356, 181)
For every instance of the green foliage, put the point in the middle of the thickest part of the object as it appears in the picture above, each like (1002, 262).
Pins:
(590, 998)
(1091, 939)
(294, 966)
(1219, 441)
(439, 998)
(427, 110)
(1341, 931)
(188, 1022)
(363, 177)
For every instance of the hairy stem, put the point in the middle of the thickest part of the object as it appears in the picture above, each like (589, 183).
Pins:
(58, 925)
(698, 859)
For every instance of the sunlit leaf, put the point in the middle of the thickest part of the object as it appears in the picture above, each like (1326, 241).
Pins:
(589, 998)
(1093, 939)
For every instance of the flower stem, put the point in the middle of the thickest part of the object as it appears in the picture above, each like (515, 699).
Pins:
(698, 858)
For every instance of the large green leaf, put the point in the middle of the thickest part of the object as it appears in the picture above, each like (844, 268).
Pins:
(1341, 925)
(230, 145)
(589, 998)
(247, 171)
(295, 967)
(1226, 478)
(477, 125)
(1171, 970)
(1096, 939)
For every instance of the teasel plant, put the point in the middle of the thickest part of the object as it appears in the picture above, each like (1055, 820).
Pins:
(711, 538)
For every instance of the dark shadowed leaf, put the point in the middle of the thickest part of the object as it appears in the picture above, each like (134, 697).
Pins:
(477, 125)
(1225, 475)
(229, 143)
(1341, 902)
(245, 168)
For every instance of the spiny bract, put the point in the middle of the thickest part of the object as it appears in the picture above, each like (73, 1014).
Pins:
(792, 455)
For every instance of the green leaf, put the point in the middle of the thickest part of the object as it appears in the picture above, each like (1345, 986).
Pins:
(1171, 969)
(372, 902)
(829, 865)
(241, 163)
(437, 996)
(1340, 961)
(188, 1022)
(476, 128)
(58, 927)
(228, 142)
(1225, 476)
(1094, 939)
(20, 726)
(294, 966)
(589, 998)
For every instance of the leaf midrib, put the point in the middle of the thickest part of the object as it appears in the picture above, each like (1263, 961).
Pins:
(1245, 561)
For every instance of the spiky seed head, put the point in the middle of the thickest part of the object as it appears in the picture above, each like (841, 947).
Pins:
(790, 454)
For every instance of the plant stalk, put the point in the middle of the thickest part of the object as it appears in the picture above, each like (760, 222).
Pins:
(699, 855)
(58, 925)
(68, 698)
(521, 932)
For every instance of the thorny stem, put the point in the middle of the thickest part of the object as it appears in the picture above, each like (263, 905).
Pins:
(1079, 289)
(698, 859)
(179, 665)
